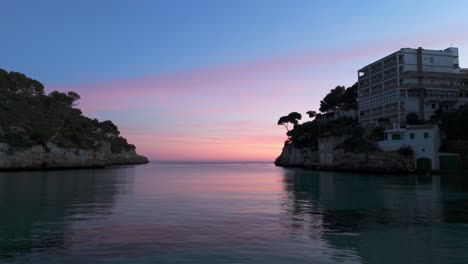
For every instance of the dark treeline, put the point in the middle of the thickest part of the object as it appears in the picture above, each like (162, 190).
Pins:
(307, 134)
(29, 116)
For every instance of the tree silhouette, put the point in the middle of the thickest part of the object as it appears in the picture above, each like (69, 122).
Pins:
(291, 118)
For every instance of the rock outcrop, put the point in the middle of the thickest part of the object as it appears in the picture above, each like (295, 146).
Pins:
(380, 162)
(127, 157)
(296, 157)
(51, 156)
(377, 162)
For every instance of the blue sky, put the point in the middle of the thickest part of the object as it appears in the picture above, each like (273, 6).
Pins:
(97, 46)
(83, 41)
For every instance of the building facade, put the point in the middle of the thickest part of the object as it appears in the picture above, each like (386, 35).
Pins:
(411, 81)
(424, 140)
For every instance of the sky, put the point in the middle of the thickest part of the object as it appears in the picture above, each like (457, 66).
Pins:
(208, 80)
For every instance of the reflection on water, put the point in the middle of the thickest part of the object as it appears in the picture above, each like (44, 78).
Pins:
(38, 207)
(230, 213)
(383, 219)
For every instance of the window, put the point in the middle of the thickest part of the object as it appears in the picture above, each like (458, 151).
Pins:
(431, 59)
(433, 106)
(426, 135)
(396, 137)
(411, 135)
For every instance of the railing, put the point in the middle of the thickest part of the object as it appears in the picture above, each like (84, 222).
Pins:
(376, 68)
(390, 65)
(390, 145)
(459, 75)
(448, 86)
(376, 78)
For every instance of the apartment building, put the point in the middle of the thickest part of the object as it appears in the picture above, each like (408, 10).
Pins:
(411, 80)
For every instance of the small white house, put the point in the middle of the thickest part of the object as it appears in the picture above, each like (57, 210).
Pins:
(423, 139)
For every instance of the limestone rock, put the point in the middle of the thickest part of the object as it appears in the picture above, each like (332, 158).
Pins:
(52, 156)
(381, 162)
(296, 157)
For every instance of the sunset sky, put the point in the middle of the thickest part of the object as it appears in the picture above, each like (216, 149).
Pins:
(208, 79)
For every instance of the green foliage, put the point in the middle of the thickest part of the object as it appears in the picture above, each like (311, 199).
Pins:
(304, 135)
(29, 117)
(292, 118)
(350, 97)
(357, 143)
(412, 119)
(455, 123)
(333, 99)
(338, 127)
(308, 133)
(311, 114)
(378, 133)
(340, 97)
(406, 151)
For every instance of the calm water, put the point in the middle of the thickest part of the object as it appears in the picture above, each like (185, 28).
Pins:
(230, 213)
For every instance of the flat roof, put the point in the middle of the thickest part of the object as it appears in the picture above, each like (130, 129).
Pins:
(403, 49)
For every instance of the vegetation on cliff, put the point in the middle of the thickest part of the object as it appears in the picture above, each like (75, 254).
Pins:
(340, 98)
(307, 134)
(29, 116)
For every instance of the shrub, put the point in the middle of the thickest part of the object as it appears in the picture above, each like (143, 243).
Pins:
(406, 151)
(412, 119)
(378, 133)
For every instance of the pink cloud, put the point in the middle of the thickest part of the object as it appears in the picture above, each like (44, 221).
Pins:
(246, 97)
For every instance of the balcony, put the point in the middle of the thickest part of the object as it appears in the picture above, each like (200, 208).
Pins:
(428, 74)
(435, 86)
(363, 74)
(376, 78)
(376, 67)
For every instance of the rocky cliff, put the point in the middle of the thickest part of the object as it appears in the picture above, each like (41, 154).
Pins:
(296, 157)
(50, 156)
(40, 130)
(377, 162)
(381, 162)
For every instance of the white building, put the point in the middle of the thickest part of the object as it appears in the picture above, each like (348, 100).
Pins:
(423, 139)
(411, 80)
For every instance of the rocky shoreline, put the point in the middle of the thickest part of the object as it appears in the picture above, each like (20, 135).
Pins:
(375, 162)
(51, 156)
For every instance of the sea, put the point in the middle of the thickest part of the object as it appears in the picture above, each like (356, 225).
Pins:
(179, 212)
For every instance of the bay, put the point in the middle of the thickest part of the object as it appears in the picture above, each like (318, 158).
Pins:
(170, 212)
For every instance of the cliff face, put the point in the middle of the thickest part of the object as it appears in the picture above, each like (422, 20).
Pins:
(296, 157)
(381, 162)
(51, 156)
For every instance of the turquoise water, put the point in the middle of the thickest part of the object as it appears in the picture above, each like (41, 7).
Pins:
(230, 213)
